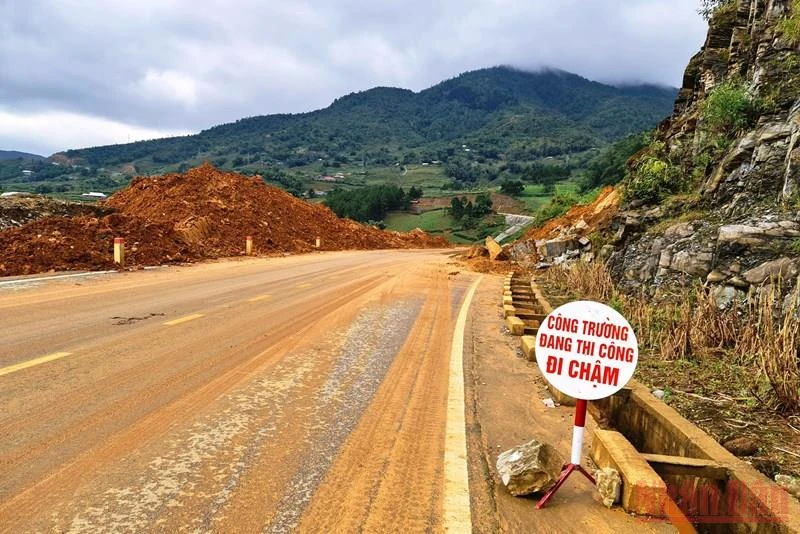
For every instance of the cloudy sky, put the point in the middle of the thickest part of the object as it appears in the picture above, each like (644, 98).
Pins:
(77, 73)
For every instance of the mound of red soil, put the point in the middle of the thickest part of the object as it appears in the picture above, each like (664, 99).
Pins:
(581, 219)
(216, 210)
(87, 243)
(205, 213)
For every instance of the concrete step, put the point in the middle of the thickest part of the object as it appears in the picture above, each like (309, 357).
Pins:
(681, 466)
(643, 491)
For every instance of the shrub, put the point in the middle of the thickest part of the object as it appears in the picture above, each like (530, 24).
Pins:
(790, 26)
(710, 8)
(558, 206)
(730, 109)
(651, 180)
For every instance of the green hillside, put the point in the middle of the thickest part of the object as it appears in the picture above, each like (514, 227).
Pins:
(479, 127)
(13, 154)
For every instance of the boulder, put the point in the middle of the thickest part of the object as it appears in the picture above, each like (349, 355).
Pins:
(609, 485)
(679, 231)
(693, 264)
(716, 277)
(739, 234)
(780, 268)
(496, 252)
(738, 282)
(725, 296)
(557, 247)
(477, 251)
(530, 468)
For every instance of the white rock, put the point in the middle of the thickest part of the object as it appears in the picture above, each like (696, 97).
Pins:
(530, 468)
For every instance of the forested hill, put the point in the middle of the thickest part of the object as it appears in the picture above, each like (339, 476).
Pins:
(497, 112)
(13, 154)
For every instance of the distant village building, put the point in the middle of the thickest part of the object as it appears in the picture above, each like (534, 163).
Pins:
(27, 173)
(93, 194)
(327, 179)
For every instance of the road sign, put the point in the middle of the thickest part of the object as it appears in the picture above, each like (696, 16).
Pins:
(586, 350)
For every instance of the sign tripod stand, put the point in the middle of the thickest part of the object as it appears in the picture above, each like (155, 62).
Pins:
(575, 460)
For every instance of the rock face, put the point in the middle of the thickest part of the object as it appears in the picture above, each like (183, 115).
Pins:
(736, 225)
(530, 468)
(609, 485)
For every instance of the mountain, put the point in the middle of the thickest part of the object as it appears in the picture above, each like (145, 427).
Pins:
(13, 154)
(498, 111)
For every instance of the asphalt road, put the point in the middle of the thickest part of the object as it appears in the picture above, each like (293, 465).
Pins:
(301, 394)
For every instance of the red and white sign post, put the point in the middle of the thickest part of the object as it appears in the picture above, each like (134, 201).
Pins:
(588, 351)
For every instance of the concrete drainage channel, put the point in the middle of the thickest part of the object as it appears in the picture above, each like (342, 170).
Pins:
(669, 467)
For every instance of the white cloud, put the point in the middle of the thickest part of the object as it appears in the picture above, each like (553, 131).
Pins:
(48, 132)
(170, 86)
(174, 65)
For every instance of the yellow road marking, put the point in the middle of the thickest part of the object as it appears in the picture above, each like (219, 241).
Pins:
(259, 298)
(31, 363)
(184, 319)
(302, 286)
(456, 516)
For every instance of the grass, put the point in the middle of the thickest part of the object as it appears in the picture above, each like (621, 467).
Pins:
(790, 26)
(438, 222)
(687, 325)
(536, 197)
(430, 221)
(689, 216)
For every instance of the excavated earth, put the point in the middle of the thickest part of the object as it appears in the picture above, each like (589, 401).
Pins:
(20, 210)
(205, 213)
(581, 219)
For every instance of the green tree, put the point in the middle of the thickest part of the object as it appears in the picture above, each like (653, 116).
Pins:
(512, 187)
(483, 205)
(457, 208)
(414, 193)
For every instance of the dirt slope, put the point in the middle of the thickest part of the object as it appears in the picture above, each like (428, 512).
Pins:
(205, 213)
(581, 219)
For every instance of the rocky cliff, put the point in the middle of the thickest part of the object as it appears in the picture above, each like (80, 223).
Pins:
(716, 195)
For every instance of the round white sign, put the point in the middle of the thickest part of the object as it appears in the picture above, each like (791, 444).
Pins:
(586, 350)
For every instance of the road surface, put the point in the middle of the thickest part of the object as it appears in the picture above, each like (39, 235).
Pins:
(223, 396)
(317, 393)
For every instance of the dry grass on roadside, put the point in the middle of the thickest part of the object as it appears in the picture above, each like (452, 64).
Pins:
(688, 325)
(772, 341)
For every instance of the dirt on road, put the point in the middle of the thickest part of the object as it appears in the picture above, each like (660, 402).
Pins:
(307, 394)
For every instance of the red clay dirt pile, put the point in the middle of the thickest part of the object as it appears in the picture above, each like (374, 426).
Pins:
(580, 220)
(205, 213)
